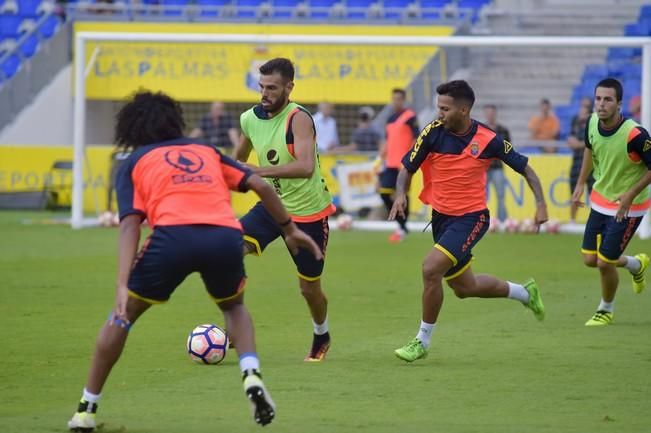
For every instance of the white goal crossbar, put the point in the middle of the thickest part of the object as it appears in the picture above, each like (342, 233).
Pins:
(82, 38)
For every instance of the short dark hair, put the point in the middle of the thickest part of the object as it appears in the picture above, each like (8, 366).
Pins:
(148, 118)
(280, 65)
(612, 83)
(458, 90)
(402, 92)
(545, 101)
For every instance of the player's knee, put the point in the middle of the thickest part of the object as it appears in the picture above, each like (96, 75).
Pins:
(603, 265)
(590, 260)
(311, 289)
(432, 271)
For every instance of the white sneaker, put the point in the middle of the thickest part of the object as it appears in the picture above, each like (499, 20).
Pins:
(82, 422)
(262, 406)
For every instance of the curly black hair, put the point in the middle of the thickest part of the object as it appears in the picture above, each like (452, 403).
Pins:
(148, 118)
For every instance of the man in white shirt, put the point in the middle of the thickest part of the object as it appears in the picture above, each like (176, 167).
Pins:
(327, 136)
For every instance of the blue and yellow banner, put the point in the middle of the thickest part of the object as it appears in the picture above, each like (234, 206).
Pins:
(355, 74)
(29, 168)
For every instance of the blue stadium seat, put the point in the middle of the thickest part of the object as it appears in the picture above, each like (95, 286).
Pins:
(645, 24)
(426, 4)
(431, 9)
(635, 29)
(50, 26)
(174, 7)
(475, 4)
(10, 66)
(9, 25)
(320, 9)
(645, 11)
(625, 70)
(357, 9)
(394, 9)
(632, 87)
(565, 114)
(284, 8)
(29, 46)
(622, 53)
(597, 72)
(28, 7)
(214, 6)
(250, 6)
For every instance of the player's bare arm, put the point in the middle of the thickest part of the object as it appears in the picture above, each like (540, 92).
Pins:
(129, 239)
(294, 238)
(243, 148)
(541, 206)
(626, 199)
(304, 142)
(586, 169)
(400, 202)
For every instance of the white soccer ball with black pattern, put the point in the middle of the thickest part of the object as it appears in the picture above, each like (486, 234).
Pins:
(344, 222)
(207, 344)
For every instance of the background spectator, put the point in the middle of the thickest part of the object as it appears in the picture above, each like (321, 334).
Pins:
(327, 136)
(217, 127)
(545, 126)
(496, 169)
(365, 136)
(576, 142)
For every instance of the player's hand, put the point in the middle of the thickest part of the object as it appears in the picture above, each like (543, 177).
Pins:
(296, 239)
(577, 196)
(398, 208)
(119, 315)
(541, 216)
(625, 201)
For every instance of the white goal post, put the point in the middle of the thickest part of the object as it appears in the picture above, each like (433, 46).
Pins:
(80, 69)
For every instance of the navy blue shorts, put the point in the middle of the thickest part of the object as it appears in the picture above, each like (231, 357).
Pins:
(260, 230)
(455, 236)
(172, 253)
(606, 237)
(388, 180)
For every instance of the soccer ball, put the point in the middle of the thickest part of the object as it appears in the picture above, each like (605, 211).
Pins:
(108, 219)
(207, 344)
(344, 222)
(552, 226)
(511, 225)
(105, 219)
(494, 225)
(527, 226)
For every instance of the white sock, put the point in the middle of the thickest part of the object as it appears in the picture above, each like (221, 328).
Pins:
(518, 292)
(425, 333)
(322, 328)
(632, 264)
(90, 397)
(606, 306)
(249, 361)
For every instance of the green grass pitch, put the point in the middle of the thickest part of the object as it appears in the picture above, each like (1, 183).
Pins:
(492, 367)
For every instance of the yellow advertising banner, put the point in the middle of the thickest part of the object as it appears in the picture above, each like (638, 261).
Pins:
(229, 71)
(29, 168)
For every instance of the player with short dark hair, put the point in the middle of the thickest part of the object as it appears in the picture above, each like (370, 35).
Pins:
(454, 153)
(618, 152)
(181, 187)
(283, 135)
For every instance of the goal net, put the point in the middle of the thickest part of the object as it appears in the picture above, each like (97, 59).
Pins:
(356, 73)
